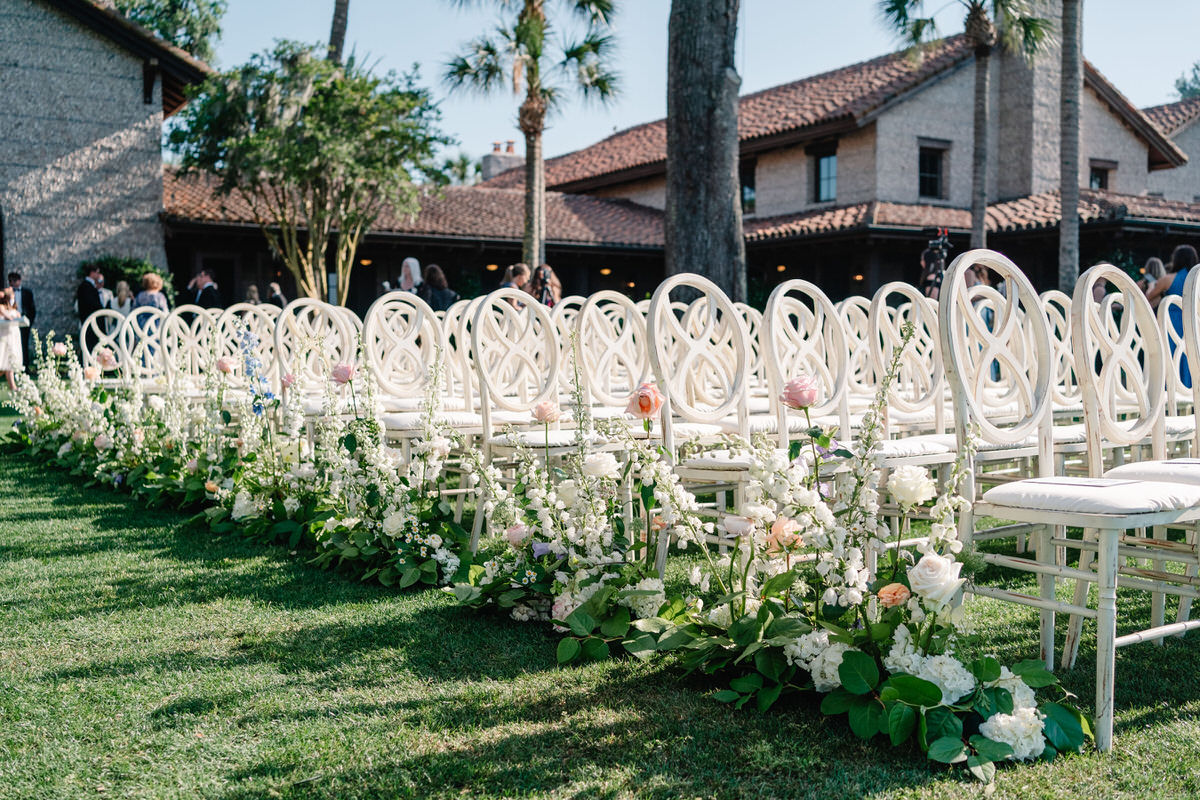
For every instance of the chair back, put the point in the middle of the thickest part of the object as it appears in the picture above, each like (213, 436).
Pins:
(259, 319)
(1065, 388)
(614, 360)
(188, 342)
(401, 338)
(141, 343)
(312, 337)
(919, 383)
(515, 353)
(102, 329)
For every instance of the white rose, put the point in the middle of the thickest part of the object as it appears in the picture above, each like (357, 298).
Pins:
(439, 446)
(393, 523)
(935, 578)
(601, 465)
(738, 526)
(156, 402)
(911, 485)
(568, 492)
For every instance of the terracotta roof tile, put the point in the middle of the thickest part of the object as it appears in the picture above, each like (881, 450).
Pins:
(459, 211)
(848, 93)
(1170, 117)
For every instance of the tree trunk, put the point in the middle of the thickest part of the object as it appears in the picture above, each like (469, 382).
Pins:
(1069, 101)
(704, 210)
(337, 31)
(533, 243)
(979, 161)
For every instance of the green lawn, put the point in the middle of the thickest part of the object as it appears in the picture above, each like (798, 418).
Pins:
(140, 659)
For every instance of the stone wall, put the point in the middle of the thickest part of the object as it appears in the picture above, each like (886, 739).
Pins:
(80, 155)
(1181, 183)
(1104, 137)
(647, 191)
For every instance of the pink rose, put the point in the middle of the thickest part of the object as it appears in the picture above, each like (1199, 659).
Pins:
(646, 402)
(738, 526)
(91, 373)
(105, 358)
(516, 535)
(784, 535)
(211, 487)
(894, 594)
(289, 380)
(59, 349)
(342, 373)
(800, 393)
(225, 364)
(192, 465)
(546, 411)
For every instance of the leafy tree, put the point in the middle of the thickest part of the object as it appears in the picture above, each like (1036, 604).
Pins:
(1188, 86)
(462, 169)
(526, 51)
(704, 211)
(1070, 101)
(316, 149)
(192, 25)
(1019, 31)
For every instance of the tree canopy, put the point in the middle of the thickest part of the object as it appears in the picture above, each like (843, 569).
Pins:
(193, 25)
(317, 150)
(1188, 86)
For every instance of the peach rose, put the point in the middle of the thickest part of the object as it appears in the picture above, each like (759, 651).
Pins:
(225, 364)
(646, 402)
(894, 594)
(784, 535)
(546, 411)
(342, 373)
(800, 393)
(59, 349)
(91, 373)
(211, 487)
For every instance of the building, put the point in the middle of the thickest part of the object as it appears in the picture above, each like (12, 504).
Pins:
(83, 95)
(1179, 121)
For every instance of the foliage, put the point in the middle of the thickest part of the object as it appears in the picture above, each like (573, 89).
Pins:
(1012, 22)
(130, 270)
(191, 25)
(316, 149)
(1187, 85)
(462, 170)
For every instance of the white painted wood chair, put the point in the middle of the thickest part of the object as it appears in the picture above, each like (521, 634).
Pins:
(101, 331)
(190, 346)
(141, 347)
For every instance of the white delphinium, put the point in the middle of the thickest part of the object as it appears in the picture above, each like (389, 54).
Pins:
(1022, 730)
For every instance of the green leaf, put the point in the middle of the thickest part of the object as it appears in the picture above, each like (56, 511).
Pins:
(410, 576)
(940, 723)
(641, 645)
(981, 768)
(866, 716)
(1034, 673)
(617, 624)
(901, 721)
(225, 416)
(1062, 727)
(787, 627)
(858, 672)
(595, 649)
(915, 691)
(350, 442)
(581, 623)
(994, 700)
(947, 750)
(745, 630)
(747, 683)
(986, 669)
(768, 696)
(990, 749)
(770, 663)
(725, 696)
(680, 636)
(568, 649)
(776, 585)
(837, 702)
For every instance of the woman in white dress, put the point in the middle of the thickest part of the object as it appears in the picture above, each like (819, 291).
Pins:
(11, 360)
(123, 300)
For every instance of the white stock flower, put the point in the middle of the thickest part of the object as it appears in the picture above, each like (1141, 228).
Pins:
(949, 674)
(1021, 730)
(1022, 695)
(439, 446)
(601, 465)
(156, 402)
(935, 579)
(911, 485)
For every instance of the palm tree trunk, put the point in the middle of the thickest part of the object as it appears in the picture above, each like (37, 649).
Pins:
(704, 211)
(337, 31)
(979, 162)
(533, 244)
(1069, 102)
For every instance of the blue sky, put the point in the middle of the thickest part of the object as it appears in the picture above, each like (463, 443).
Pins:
(1142, 47)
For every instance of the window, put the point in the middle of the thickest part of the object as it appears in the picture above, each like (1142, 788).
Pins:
(746, 172)
(824, 161)
(1100, 173)
(931, 168)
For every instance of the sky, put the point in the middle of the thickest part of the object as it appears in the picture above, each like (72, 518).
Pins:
(1142, 47)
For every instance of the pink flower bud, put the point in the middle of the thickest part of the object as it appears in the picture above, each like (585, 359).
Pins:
(800, 393)
(289, 380)
(342, 373)
(225, 364)
(546, 411)
(646, 402)
(59, 349)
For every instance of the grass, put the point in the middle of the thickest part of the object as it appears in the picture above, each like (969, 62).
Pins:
(141, 659)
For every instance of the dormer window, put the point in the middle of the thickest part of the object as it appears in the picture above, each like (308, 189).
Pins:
(1100, 173)
(824, 161)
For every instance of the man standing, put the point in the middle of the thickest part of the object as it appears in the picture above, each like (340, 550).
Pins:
(25, 304)
(205, 288)
(87, 298)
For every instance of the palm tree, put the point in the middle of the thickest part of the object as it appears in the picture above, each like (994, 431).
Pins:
(461, 169)
(527, 51)
(337, 30)
(1018, 30)
(1069, 101)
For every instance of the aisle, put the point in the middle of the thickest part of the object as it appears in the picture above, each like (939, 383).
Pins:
(143, 660)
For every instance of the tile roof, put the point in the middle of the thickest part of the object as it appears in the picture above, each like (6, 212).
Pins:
(846, 94)
(458, 211)
(1170, 117)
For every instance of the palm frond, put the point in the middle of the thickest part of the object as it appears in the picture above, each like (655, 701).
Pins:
(481, 68)
(595, 12)
(904, 18)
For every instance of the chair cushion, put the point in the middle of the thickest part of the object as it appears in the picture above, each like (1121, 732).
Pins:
(1117, 496)
(912, 446)
(765, 423)
(535, 438)
(411, 420)
(1181, 426)
(1175, 470)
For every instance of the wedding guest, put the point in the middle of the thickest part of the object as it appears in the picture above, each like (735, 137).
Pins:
(1183, 258)
(205, 288)
(545, 286)
(933, 268)
(436, 291)
(151, 294)
(276, 297)
(122, 301)
(106, 295)
(1152, 273)
(27, 307)
(410, 275)
(252, 295)
(516, 276)
(11, 320)
(87, 300)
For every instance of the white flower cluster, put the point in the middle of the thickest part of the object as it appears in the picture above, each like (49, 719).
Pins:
(820, 657)
(1023, 730)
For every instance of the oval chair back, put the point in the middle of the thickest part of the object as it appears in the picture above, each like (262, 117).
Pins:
(614, 360)
(402, 337)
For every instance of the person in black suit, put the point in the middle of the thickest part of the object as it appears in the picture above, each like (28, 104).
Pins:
(26, 305)
(87, 299)
(206, 294)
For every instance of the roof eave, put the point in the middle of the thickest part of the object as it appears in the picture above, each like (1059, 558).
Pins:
(1164, 153)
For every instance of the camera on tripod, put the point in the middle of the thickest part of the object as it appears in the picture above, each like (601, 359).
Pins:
(940, 244)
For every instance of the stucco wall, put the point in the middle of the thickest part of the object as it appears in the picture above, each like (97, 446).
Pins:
(785, 179)
(649, 191)
(1181, 183)
(1105, 137)
(80, 157)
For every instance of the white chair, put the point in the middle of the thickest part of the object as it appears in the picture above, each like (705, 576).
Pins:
(311, 338)
(189, 346)
(613, 355)
(259, 319)
(141, 347)
(401, 337)
(102, 330)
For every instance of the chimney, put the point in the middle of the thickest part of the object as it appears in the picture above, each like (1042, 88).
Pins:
(496, 161)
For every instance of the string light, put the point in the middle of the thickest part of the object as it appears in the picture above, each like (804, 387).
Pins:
(492, 267)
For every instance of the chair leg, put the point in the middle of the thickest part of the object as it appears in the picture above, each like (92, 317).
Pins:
(1106, 635)
(1075, 624)
(1191, 571)
(1046, 586)
(1158, 600)
(477, 525)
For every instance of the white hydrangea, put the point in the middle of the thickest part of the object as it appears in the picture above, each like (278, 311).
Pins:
(821, 658)
(950, 676)
(903, 655)
(1022, 730)
(646, 606)
(1022, 695)
(243, 506)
